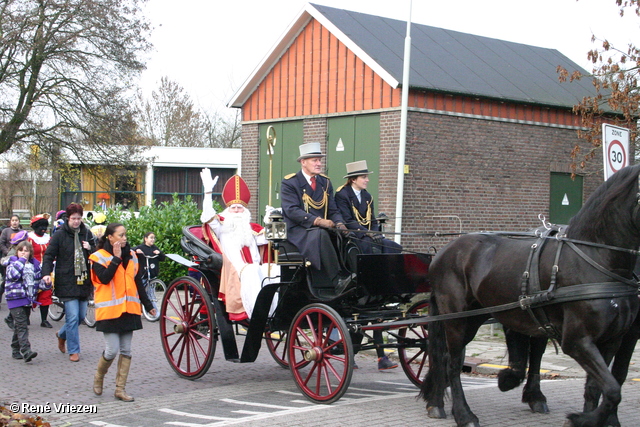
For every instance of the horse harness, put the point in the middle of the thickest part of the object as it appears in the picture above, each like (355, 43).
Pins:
(533, 298)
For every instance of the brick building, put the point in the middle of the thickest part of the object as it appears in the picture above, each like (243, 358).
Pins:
(489, 132)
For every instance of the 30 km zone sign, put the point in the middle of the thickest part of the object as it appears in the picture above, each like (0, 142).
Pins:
(615, 143)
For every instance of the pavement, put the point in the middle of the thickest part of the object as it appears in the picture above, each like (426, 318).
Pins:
(51, 378)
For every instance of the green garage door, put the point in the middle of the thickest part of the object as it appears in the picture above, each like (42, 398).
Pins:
(288, 139)
(565, 197)
(350, 139)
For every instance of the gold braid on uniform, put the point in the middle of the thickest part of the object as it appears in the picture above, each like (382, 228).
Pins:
(365, 221)
(309, 202)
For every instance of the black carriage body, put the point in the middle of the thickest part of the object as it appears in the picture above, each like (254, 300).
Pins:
(386, 286)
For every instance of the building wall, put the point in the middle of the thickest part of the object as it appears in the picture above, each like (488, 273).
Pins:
(465, 174)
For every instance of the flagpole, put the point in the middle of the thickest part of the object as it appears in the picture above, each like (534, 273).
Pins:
(403, 128)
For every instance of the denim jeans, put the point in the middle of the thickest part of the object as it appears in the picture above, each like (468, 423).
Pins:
(74, 311)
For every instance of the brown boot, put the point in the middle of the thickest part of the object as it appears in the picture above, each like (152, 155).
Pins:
(98, 379)
(124, 363)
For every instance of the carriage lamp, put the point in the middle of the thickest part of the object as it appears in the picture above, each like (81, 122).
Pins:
(382, 219)
(276, 229)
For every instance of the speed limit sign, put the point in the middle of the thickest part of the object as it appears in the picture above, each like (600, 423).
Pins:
(615, 143)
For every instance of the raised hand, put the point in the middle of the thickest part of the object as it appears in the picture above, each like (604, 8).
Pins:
(207, 182)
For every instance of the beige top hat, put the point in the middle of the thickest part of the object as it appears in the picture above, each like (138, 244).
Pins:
(357, 168)
(310, 150)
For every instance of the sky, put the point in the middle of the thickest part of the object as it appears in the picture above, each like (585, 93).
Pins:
(210, 47)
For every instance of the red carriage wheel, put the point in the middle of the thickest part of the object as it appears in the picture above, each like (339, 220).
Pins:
(277, 345)
(412, 346)
(188, 328)
(320, 353)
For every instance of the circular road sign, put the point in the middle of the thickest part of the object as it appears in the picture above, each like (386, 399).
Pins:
(617, 156)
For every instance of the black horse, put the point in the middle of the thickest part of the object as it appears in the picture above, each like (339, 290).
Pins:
(486, 270)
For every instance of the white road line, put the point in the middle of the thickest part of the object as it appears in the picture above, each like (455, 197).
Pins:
(261, 405)
(292, 393)
(103, 424)
(191, 415)
(242, 411)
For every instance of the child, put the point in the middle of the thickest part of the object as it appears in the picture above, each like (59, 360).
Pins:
(17, 238)
(22, 285)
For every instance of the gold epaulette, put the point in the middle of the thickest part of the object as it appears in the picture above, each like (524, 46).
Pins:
(291, 175)
(340, 188)
(325, 176)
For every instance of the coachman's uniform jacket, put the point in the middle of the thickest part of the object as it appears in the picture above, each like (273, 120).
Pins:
(360, 215)
(301, 206)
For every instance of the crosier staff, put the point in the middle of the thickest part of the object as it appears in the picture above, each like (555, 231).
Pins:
(271, 143)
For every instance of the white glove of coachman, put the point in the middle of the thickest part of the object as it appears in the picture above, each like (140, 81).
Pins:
(267, 213)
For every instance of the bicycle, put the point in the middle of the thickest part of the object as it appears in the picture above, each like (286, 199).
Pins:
(56, 311)
(155, 289)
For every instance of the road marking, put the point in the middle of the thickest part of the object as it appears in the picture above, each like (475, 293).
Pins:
(261, 405)
(103, 424)
(188, 414)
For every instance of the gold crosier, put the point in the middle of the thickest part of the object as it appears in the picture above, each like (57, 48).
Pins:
(271, 143)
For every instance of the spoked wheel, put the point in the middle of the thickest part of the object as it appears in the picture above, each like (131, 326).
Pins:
(277, 345)
(56, 310)
(90, 317)
(413, 343)
(155, 292)
(188, 328)
(320, 353)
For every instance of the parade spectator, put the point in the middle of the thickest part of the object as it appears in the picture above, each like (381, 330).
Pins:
(5, 244)
(23, 282)
(69, 248)
(61, 217)
(20, 236)
(118, 295)
(149, 249)
(39, 239)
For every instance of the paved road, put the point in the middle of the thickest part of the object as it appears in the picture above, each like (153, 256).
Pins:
(263, 394)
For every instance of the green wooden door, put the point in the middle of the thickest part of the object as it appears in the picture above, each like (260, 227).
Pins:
(565, 197)
(288, 138)
(351, 139)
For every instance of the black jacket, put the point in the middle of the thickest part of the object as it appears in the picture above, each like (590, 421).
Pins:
(154, 263)
(60, 250)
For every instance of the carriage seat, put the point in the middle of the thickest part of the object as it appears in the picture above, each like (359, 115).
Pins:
(207, 254)
(288, 253)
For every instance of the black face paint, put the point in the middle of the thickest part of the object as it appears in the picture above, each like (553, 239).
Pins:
(40, 227)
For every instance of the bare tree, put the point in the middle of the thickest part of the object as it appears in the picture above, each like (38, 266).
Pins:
(65, 68)
(615, 77)
(169, 117)
(223, 131)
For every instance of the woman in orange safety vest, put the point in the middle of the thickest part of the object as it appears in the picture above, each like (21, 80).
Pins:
(118, 293)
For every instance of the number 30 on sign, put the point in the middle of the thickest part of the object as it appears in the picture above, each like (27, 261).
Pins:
(615, 144)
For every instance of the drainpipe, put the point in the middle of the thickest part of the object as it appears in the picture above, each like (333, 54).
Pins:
(403, 128)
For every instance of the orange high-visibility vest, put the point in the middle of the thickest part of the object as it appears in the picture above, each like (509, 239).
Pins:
(120, 295)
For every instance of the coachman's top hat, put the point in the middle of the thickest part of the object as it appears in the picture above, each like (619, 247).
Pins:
(310, 150)
(357, 168)
(236, 191)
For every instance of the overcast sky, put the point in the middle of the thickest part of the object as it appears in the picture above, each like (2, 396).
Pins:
(210, 47)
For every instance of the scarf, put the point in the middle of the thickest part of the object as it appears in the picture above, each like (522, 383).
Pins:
(79, 263)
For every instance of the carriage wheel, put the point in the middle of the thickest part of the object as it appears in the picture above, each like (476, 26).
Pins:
(188, 328)
(320, 353)
(415, 363)
(277, 345)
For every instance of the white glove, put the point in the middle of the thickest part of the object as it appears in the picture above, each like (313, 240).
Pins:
(267, 213)
(207, 182)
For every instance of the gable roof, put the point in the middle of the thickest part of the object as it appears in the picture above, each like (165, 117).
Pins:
(442, 60)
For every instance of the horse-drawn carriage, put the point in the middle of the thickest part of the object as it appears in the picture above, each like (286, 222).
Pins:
(312, 332)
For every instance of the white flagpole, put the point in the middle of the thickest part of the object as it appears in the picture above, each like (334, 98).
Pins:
(403, 127)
